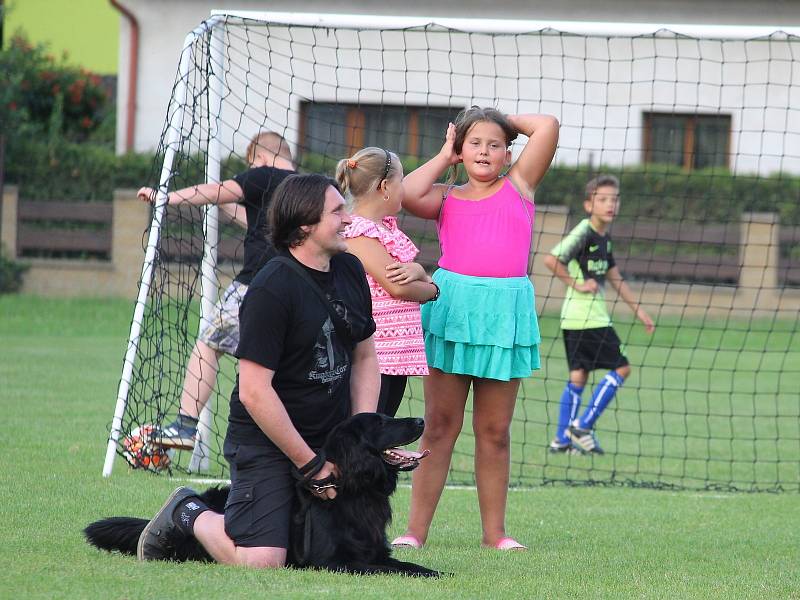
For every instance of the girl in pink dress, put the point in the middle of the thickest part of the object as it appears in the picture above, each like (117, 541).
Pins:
(482, 333)
(372, 180)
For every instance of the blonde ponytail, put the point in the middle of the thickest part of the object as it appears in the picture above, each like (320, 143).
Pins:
(364, 171)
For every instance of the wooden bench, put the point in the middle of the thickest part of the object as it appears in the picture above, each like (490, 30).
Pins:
(673, 251)
(59, 229)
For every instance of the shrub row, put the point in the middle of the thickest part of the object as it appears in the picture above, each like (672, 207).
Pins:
(65, 170)
(658, 192)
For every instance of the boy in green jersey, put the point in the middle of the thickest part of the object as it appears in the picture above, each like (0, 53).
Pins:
(583, 261)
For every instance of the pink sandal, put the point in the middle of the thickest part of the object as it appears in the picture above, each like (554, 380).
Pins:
(506, 543)
(406, 541)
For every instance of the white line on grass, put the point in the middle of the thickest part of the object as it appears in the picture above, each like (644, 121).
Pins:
(212, 481)
(471, 488)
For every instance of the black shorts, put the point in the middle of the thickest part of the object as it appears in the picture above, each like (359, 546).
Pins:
(591, 349)
(259, 508)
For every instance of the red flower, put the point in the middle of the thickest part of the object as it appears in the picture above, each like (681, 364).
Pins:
(75, 92)
(12, 106)
(86, 122)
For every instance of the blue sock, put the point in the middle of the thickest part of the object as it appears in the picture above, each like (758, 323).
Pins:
(603, 394)
(570, 403)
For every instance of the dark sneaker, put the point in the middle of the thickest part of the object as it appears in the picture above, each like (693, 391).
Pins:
(583, 439)
(557, 447)
(177, 435)
(156, 541)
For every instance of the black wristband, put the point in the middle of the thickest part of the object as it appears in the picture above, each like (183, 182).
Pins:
(311, 468)
(436, 295)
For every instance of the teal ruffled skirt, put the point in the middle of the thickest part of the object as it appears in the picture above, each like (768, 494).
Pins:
(482, 326)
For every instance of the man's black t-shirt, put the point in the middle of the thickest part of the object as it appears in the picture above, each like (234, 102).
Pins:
(258, 185)
(286, 328)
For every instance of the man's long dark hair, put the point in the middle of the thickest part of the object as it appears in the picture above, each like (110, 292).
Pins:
(299, 200)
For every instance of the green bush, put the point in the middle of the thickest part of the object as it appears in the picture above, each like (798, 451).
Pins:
(656, 192)
(10, 274)
(57, 169)
(37, 84)
(669, 194)
(63, 170)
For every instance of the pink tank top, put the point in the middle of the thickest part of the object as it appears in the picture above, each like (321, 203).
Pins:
(490, 237)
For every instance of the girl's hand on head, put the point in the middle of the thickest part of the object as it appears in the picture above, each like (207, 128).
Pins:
(403, 273)
(514, 121)
(448, 151)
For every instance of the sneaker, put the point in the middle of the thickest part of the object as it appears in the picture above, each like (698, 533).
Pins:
(156, 540)
(557, 447)
(583, 439)
(177, 435)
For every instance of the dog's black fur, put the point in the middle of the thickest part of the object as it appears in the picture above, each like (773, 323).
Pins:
(345, 534)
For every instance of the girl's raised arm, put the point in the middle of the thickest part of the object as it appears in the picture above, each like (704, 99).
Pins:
(536, 156)
(423, 198)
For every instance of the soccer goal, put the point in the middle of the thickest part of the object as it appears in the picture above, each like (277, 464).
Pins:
(700, 124)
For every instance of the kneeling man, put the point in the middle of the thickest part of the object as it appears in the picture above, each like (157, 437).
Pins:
(306, 362)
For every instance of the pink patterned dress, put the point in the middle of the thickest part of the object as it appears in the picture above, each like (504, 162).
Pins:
(398, 337)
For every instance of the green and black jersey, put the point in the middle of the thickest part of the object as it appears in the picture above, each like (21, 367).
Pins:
(587, 255)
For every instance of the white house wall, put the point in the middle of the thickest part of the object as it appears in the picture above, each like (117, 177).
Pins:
(598, 87)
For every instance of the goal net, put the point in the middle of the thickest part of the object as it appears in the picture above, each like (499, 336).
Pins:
(701, 126)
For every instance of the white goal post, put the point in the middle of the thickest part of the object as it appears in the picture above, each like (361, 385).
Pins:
(353, 59)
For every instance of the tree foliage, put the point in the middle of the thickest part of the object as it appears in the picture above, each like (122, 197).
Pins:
(44, 96)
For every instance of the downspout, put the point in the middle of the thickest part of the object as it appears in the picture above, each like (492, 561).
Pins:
(133, 74)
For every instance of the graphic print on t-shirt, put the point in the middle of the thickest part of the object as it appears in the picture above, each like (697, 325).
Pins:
(330, 359)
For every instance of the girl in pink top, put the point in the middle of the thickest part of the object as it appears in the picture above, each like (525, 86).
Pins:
(482, 332)
(372, 179)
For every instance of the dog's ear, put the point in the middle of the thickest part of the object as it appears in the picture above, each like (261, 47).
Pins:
(360, 466)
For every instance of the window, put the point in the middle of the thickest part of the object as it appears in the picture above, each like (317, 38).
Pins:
(687, 140)
(340, 129)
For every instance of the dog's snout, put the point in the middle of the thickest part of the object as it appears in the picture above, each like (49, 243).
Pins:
(419, 422)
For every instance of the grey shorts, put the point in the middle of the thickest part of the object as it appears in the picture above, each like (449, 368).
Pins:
(222, 333)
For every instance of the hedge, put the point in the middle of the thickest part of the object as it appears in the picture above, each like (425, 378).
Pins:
(91, 172)
(70, 171)
(658, 192)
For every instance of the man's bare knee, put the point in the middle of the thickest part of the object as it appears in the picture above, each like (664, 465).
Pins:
(261, 558)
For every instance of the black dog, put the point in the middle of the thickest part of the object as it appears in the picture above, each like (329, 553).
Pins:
(345, 534)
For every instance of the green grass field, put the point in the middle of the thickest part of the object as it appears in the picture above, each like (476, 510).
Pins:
(711, 404)
(59, 367)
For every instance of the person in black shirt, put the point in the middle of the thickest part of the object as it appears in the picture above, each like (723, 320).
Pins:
(306, 363)
(271, 162)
